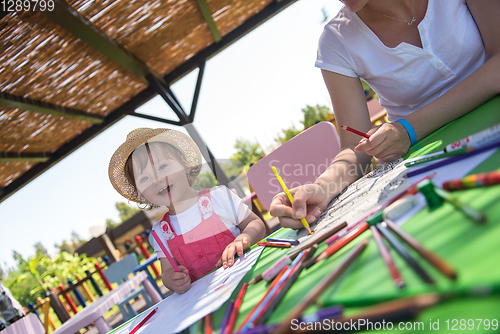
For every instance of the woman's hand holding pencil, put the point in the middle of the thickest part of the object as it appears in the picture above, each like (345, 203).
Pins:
(307, 204)
(388, 142)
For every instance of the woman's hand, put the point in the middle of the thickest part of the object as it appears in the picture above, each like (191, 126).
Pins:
(387, 142)
(308, 202)
(180, 282)
(235, 247)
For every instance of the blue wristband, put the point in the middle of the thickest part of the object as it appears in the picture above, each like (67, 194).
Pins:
(409, 129)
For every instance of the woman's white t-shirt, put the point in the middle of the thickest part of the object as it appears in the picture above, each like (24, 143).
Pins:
(406, 77)
(226, 204)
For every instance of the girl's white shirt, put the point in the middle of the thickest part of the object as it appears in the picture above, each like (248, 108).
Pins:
(406, 77)
(226, 204)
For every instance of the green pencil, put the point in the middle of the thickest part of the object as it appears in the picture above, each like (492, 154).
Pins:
(439, 156)
(470, 212)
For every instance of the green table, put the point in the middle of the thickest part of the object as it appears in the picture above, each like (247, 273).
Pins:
(473, 250)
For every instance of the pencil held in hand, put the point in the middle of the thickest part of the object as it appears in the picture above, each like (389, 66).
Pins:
(356, 132)
(290, 197)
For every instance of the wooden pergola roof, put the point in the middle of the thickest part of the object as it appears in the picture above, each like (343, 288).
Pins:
(69, 73)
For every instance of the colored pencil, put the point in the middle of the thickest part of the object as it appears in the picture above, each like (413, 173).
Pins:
(165, 251)
(401, 309)
(432, 258)
(317, 238)
(281, 291)
(225, 320)
(356, 132)
(473, 181)
(273, 284)
(340, 234)
(453, 159)
(290, 197)
(292, 241)
(274, 244)
(470, 212)
(143, 321)
(208, 324)
(257, 313)
(396, 244)
(439, 156)
(342, 242)
(236, 309)
(425, 156)
(387, 258)
(326, 313)
(313, 295)
(278, 294)
(256, 279)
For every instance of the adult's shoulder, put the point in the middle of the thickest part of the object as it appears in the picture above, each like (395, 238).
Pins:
(342, 27)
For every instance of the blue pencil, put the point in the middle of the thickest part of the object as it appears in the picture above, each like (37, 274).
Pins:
(271, 294)
(292, 241)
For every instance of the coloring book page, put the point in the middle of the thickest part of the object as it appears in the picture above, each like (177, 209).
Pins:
(359, 200)
(206, 295)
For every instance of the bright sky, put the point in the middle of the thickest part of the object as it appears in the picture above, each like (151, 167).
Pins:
(252, 90)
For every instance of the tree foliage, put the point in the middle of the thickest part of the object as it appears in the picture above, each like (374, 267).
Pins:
(35, 276)
(247, 152)
(312, 115)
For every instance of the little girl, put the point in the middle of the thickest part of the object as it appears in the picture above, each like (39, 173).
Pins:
(202, 229)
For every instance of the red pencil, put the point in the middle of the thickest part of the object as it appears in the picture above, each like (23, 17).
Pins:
(359, 133)
(136, 328)
(342, 242)
(236, 308)
(273, 284)
(208, 324)
(387, 258)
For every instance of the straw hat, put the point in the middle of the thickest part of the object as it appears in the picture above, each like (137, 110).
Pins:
(139, 137)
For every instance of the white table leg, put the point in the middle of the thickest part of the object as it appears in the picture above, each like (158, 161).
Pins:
(155, 296)
(102, 325)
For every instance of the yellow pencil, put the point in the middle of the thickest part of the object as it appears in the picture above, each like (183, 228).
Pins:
(290, 197)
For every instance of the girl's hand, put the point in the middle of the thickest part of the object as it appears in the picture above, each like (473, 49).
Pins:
(180, 281)
(387, 142)
(308, 202)
(235, 247)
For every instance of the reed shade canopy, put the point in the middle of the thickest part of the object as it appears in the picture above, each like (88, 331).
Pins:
(69, 73)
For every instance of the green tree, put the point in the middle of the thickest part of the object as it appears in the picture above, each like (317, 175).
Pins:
(312, 115)
(205, 181)
(287, 134)
(247, 152)
(125, 211)
(40, 249)
(64, 247)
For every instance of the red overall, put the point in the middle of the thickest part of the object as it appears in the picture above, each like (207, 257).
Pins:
(200, 249)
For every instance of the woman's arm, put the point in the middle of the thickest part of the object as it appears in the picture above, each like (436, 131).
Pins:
(349, 105)
(252, 230)
(480, 86)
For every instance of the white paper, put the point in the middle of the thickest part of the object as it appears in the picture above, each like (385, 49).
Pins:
(360, 199)
(206, 295)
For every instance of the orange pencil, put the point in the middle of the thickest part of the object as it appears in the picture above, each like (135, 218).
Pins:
(136, 328)
(273, 284)
(208, 324)
(356, 132)
(342, 242)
